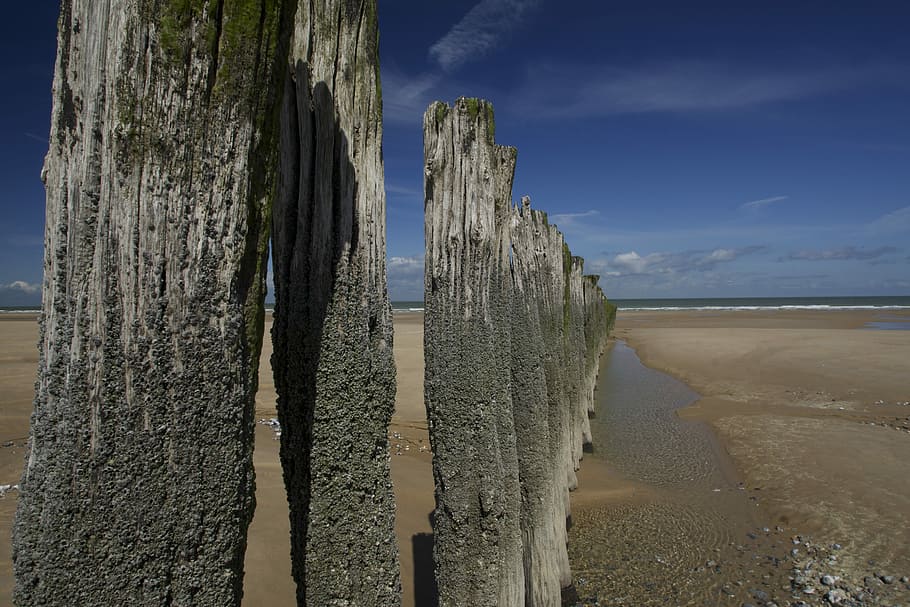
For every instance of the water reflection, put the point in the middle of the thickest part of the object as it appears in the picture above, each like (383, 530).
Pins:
(888, 326)
(638, 432)
(653, 551)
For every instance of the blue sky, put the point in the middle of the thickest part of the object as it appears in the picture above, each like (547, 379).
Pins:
(686, 149)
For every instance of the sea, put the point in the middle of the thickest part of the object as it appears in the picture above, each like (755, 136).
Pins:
(737, 303)
(768, 303)
(407, 306)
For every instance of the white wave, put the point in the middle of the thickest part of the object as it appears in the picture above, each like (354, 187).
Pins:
(759, 308)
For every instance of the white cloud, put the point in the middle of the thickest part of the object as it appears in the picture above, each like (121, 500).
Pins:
(721, 255)
(20, 293)
(405, 278)
(406, 264)
(560, 91)
(894, 222)
(401, 191)
(762, 203)
(567, 220)
(634, 263)
(840, 254)
(270, 281)
(480, 31)
(37, 138)
(405, 98)
(631, 263)
(24, 287)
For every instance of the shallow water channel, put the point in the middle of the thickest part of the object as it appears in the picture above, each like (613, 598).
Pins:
(675, 535)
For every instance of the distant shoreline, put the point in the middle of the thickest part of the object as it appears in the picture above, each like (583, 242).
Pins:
(781, 388)
(746, 308)
(821, 304)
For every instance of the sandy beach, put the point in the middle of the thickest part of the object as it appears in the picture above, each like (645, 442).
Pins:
(268, 568)
(804, 402)
(811, 407)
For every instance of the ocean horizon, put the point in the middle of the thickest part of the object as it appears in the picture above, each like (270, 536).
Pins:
(884, 302)
(767, 303)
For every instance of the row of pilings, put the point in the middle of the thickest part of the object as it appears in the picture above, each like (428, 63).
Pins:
(187, 136)
(183, 136)
(512, 338)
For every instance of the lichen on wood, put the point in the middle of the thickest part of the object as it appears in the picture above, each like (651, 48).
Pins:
(513, 332)
(467, 359)
(332, 334)
(139, 485)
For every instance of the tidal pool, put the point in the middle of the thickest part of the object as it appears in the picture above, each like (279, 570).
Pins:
(694, 531)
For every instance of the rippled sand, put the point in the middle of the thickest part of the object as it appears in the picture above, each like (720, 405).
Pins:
(803, 411)
(651, 547)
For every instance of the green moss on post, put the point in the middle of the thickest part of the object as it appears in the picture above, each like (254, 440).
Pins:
(441, 111)
(473, 105)
(244, 23)
(247, 33)
(567, 278)
(491, 124)
(610, 312)
(175, 26)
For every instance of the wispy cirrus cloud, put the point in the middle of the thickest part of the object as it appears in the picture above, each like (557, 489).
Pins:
(840, 254)
(631, 263)
(405, 98)
(484, 28)
(37, 138)
(894, 222)
(567, 220)
(754, 205)
(802, 277)
(561, 91)
(402, 191)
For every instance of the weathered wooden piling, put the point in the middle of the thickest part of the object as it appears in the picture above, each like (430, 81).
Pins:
(139, 484)
(543, 514)
(599, 317)
(467, 353)
(511, 341)
(165, 162)
(332, 335)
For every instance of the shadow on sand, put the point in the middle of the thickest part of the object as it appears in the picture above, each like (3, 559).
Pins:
(425, 592)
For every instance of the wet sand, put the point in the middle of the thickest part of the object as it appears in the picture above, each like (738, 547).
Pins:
(791, 397)
(268, 569)
(676, 501)
(808, 407)
(18, 363)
